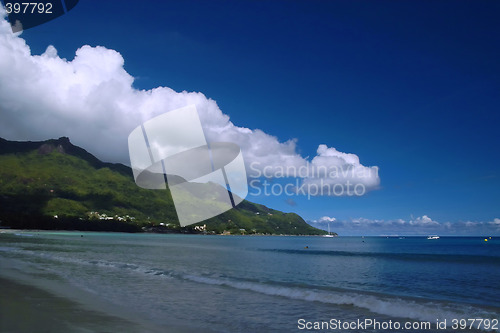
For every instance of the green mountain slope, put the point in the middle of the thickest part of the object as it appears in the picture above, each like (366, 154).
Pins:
(56, 185)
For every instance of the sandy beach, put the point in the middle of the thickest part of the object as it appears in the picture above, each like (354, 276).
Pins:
(114, 282)
(25, 308)
(39, 302)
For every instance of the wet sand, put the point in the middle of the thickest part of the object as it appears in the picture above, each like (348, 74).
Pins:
(25, 308)
(37, 300)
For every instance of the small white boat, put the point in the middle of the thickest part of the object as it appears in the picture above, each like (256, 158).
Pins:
(433, 237)
(329, 234)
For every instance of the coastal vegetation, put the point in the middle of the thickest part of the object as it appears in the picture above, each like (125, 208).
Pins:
(56, 185)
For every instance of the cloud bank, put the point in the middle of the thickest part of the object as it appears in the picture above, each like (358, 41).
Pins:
(91, 99)
(422, 225)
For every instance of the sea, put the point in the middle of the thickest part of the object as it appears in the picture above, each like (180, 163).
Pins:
(208, 283)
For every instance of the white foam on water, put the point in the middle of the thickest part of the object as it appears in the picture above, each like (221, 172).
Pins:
(381, 304)
(393, 306)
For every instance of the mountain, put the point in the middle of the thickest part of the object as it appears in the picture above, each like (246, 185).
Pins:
(54, 184)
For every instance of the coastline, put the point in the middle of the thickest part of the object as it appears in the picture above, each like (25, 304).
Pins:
(26, 308)
(36, 302)
(202, 284)
(8, 230)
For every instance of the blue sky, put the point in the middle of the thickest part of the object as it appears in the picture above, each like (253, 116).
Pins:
(409, 86)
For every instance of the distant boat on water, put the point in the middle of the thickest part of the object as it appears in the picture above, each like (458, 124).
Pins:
(433, 237)
(329, 234)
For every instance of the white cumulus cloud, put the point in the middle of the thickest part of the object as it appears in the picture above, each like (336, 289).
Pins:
(495, 223)
(424, 221)
(327, 219)
(423, 225)
(91, 99)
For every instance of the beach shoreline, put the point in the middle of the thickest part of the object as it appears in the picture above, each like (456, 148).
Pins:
(34, 302)
(109, 282)
(26, 308)
(13, 231)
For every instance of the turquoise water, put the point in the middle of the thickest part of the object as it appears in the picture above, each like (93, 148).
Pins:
(266, 284)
